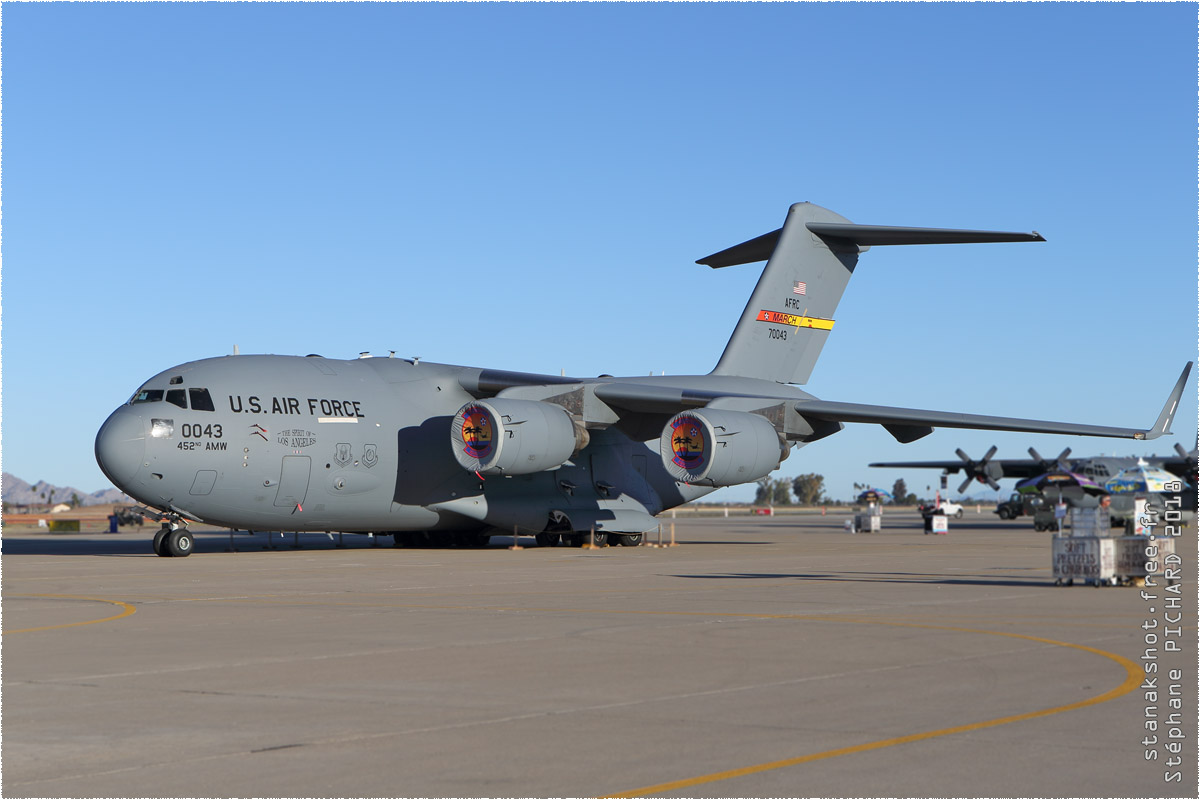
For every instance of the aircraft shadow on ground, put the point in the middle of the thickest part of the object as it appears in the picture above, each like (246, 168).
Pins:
(205, 542)
(73, 546)
(882, 577)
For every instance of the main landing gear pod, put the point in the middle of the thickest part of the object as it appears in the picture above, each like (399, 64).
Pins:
(713, 447)
(514, 437)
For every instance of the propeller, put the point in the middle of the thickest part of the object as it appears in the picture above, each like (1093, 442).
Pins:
(982, 470)
(1060, 462)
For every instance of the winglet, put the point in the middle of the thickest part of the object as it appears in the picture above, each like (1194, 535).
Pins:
(1172, 405)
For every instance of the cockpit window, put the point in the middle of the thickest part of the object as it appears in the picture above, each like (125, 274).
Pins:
(147, 396)
(177, 397)
(201, 400)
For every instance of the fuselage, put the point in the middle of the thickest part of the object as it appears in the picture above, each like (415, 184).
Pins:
(314, 444)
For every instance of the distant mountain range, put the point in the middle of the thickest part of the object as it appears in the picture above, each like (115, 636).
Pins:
(17, 492)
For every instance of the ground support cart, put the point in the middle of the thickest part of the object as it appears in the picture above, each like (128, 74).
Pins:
(1088, 559)
(1132, 559)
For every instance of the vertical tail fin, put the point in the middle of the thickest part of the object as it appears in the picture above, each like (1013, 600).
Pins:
(809, 262)
(790, 314)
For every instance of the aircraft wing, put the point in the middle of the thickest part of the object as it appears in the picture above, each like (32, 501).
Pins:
(1009, 467)
(909, 424)
(905, 424)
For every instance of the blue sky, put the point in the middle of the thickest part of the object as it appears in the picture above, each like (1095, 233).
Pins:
(527, 186)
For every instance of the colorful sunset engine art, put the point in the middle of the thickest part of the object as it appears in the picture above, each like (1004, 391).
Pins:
(715, 447)
(477, 427)
(514, 437)
(687, 442)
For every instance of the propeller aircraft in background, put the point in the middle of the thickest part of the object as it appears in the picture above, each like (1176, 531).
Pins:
(1107, 471)
(1100, 468)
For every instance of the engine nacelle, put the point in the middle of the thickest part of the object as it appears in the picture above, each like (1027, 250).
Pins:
(715, 447)
(514, 437)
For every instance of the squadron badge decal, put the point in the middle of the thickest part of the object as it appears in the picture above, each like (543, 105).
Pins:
(687, 443)
(477, 431)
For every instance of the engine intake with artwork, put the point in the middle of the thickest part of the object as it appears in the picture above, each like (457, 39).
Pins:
(503, 436)
(715, 447)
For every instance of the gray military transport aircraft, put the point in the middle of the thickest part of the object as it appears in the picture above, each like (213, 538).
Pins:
(416, 449)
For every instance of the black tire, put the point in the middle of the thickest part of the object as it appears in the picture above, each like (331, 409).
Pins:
(1004, 513)
(158, 539)
(958, 515)
(178, 543)
(597, 538)
(548, 539)
(628, 539)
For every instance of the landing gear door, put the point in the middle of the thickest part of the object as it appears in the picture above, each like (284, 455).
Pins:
(293, 481)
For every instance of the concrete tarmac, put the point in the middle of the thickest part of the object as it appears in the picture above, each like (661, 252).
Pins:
(763, 657)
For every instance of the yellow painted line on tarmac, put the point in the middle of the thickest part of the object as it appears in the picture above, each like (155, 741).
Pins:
(1133, 679)
(126, 610)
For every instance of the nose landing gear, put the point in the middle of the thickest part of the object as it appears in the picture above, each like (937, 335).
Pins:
(173, 539)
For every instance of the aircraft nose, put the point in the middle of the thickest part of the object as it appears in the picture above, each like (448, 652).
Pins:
(121, 445)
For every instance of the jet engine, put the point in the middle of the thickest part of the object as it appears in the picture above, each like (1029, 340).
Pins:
(502, 436)
(715, 447)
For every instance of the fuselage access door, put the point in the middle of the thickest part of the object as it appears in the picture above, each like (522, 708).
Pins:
(293, 481)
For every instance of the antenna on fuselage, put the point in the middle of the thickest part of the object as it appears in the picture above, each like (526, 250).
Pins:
(236, 352)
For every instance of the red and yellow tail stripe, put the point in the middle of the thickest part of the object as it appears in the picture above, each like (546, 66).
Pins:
(794, 320)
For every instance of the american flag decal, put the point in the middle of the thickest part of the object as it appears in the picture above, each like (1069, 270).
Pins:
(800, 287)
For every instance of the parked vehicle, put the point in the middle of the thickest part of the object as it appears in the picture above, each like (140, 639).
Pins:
(1011, 508)
(129, 515)
(945, 507)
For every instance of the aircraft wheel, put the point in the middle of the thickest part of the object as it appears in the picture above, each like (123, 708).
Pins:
(629, 539)
(598, 538)
(178, 543)
(158, 539)
(548, 539)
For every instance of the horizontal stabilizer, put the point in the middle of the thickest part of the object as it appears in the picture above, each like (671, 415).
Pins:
(848, 234)
(869, 235)
(757, 249)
